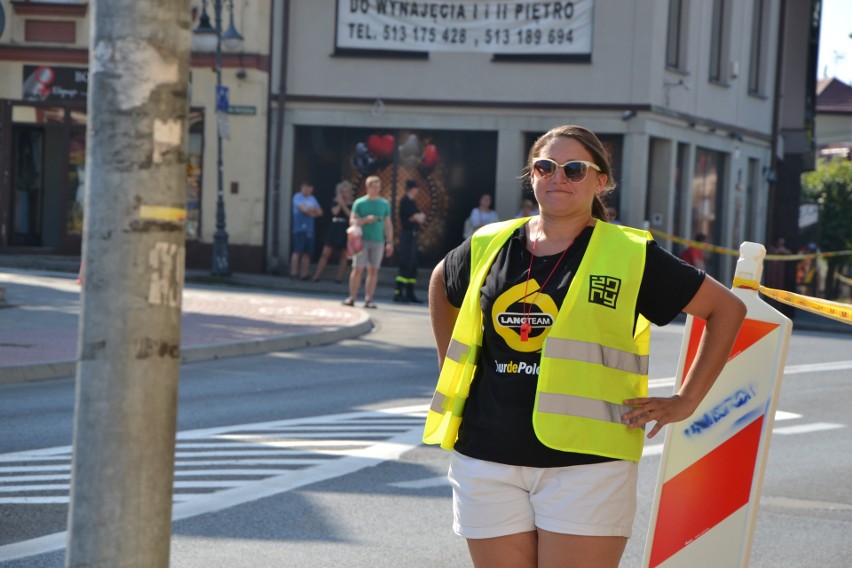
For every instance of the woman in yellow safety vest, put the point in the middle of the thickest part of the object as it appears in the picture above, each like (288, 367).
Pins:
(542, 330)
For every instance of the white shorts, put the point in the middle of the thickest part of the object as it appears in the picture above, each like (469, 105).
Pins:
(492, 499)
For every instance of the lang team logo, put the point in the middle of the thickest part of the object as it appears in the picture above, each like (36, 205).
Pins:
(518, 303)
(604, 290)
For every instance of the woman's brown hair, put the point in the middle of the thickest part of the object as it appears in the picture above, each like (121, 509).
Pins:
(591, 143)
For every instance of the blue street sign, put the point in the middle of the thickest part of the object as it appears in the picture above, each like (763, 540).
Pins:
(222, 103)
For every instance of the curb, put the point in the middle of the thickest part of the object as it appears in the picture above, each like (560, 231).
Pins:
(60, 369)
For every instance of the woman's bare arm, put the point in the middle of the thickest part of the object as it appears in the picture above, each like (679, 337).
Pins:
(442, 313)
(724, 313)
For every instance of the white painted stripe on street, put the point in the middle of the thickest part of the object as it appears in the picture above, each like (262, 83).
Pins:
(788, 370)
(20, 468)
(339, 434)
(236, 472)
(352, 426)
(789, 503)
(355, 461)
(667, 382)
(258, 452)
(370, 453)
(807, 428)
(58, 500)
(279, 461)
(817, 367)
(781, 415)
(178, 473)
(652, 450)
(19, 478)
(45, 487)
(33, 458)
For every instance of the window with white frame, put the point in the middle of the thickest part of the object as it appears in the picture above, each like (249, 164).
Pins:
(719, 36)
(676, 34)
(759, 47)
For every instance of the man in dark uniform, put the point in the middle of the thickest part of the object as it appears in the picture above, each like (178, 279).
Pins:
(410, 219)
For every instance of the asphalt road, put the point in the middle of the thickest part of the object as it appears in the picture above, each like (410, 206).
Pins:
(312, 458)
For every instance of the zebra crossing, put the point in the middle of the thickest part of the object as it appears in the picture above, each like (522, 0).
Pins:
(216, 465)
(220, 467)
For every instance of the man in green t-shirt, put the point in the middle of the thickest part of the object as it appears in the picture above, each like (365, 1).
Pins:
(373, 215)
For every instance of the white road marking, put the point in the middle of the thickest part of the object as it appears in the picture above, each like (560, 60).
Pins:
(305, 451)
(788, 370)
(807, 428)
(316, 448)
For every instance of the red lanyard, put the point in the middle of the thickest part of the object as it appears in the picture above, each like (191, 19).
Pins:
(526, 327)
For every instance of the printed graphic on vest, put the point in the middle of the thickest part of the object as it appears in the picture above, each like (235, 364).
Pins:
(604, 290)
(513, 307)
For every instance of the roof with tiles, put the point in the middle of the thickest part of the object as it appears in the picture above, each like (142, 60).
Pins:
(833, 96)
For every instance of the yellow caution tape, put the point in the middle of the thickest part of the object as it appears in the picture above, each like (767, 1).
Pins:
(845, 279)
(834, 310)
(734, 252)
(695, 244)
(161, 213)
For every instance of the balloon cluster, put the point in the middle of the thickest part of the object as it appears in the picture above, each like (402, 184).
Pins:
(412, 154)
(362, 160)
(369, 156)
(380, 148)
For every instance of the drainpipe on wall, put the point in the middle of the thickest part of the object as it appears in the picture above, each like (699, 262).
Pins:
(274, 260)
(776, 132)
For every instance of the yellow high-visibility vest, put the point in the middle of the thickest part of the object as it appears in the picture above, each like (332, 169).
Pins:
(586, 370)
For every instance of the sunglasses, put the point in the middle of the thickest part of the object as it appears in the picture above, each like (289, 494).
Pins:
(575, 171)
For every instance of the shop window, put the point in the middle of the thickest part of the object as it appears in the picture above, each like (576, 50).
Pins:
(708, 177)
(28, 186)
(76, 187)
(194, 169)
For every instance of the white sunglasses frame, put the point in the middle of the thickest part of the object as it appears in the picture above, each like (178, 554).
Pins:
(562, 167)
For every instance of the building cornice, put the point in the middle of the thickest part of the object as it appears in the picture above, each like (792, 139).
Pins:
(38, 54)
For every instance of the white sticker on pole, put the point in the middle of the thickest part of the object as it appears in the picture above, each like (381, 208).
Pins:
(711, 471)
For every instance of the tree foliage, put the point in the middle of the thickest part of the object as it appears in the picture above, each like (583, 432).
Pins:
(830, 186)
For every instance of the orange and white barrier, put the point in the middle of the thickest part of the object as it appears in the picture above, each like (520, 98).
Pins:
(711, 471)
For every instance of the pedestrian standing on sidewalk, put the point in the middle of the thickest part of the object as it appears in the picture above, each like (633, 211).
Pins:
(410, 220)
(335, 237)
(306, 209)
(543, 335)
(372, 213)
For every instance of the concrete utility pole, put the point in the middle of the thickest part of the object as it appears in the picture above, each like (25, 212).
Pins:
(133, 259)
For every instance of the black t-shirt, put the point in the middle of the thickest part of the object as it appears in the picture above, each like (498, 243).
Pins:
(407, 208)
(497, 424)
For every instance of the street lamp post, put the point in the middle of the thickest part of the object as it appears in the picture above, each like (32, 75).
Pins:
(204, 38)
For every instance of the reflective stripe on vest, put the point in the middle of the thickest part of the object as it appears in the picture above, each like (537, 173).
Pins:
(583, 407)
(457, 351)
(593, 359)
(575, 350)
(445, 412)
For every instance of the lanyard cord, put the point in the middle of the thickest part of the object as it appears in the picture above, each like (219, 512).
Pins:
(526, 327)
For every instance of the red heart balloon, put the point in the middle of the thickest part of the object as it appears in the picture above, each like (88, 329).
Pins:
(430, 157)
(381, 146)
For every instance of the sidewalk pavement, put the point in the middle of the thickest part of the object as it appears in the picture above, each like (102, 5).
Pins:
(222, 317)
(242, 314)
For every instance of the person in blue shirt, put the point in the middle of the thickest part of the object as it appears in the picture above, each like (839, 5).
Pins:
(306, 209)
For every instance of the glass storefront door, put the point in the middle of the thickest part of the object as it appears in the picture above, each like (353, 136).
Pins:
(27, 198)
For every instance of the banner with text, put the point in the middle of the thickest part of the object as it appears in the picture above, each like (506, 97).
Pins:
(520, 27)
